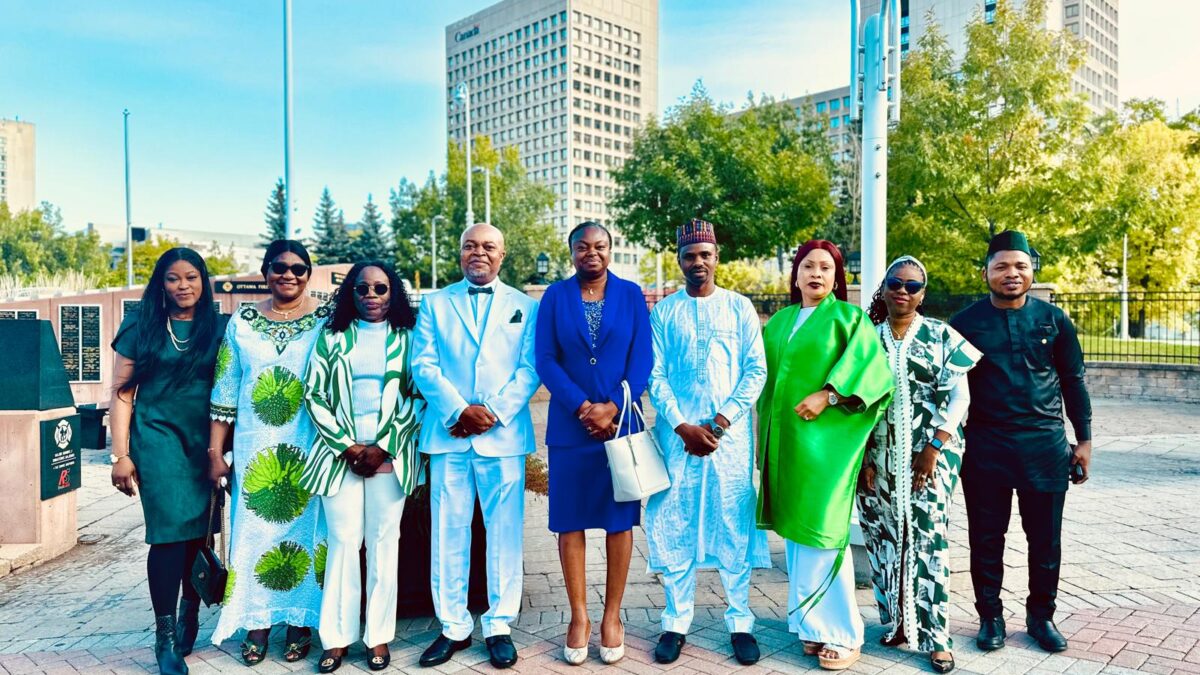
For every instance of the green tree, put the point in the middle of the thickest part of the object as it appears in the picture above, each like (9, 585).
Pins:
(33, 242)
(987, 144)
(147, 253)
(413, 208)
(371, 243)
(275, 216)
(755, 174)
(333, 239)
(1143, 181)
(519, 207)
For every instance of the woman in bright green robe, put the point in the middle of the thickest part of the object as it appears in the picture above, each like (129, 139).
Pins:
(828, 382)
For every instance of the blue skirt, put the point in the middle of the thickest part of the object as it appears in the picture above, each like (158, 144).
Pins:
(581, 493)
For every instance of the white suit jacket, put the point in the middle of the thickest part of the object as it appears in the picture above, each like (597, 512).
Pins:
(454, 366)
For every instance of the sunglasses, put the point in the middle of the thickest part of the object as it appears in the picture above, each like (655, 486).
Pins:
(298, 269)
(364, 288)
(910, 287)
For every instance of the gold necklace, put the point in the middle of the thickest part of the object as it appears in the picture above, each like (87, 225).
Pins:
(176, 342)
(288, 314)
(901, 335)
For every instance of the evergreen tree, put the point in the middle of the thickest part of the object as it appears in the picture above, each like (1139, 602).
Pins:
(371, 243)
(333, 243)
(276, 216)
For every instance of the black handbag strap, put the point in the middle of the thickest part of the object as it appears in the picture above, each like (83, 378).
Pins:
(210, 540)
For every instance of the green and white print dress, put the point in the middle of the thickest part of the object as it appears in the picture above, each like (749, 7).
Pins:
(906, 532)
(277, 561)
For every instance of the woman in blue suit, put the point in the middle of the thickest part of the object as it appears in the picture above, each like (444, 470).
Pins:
(593, 332)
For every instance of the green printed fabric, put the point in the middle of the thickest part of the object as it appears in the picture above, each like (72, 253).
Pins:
(329, 382)
(906, 532)
(276, 523)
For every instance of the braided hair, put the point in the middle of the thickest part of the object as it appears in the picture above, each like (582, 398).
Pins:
(878, 312)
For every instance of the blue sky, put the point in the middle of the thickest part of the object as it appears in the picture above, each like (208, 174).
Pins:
(203, 83)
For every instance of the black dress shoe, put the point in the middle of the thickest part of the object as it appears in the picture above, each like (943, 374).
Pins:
(669, 646)
(501, 651)
(1046, 634)
(991, 634)
(441, 650)
(379, 661)
(329, 661)
(745, 648)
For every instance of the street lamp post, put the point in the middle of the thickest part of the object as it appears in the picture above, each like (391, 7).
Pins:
(462, 93)
(433, 246)
(128, 210)
(543, 267)
(487, 193)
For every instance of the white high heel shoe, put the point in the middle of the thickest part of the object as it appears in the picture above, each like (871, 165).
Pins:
(577, 655)
(611, 655)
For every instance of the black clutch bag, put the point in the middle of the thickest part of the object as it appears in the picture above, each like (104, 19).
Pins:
(209, 574)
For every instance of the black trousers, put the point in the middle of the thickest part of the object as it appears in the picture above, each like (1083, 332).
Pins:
(988, 510)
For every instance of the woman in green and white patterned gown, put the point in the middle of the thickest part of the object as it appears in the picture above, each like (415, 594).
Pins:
(276, 564)
(912, 466)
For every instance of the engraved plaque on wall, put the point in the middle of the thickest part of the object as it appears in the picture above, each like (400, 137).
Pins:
(68, 339)
(89, 343)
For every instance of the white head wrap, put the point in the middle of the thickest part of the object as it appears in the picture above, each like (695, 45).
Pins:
(908, 259)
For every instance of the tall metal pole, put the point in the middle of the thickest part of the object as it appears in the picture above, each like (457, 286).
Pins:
(128, 209)
(1125, 287)
(487, 197)
(880, 69)
(287, 118)
(433, 246)
(463, 94)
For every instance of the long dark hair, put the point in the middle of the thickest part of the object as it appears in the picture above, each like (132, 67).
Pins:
(153, 315)
(839, 268)
(400, 313)
(281, 246)
(878, 309)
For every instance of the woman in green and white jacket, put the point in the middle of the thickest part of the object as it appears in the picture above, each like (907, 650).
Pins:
(361, 396)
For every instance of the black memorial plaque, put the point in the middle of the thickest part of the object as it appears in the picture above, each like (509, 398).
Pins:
(68, 339)
(90, 343)
(60, 456)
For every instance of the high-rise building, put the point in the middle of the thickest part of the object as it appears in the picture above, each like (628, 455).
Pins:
(566, 82)
(1093, 21)
(17, 153)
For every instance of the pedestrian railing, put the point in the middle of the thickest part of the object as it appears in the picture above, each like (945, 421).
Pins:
(1139, 326)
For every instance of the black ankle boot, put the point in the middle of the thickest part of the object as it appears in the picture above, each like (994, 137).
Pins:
(169, 662)
(187, 626)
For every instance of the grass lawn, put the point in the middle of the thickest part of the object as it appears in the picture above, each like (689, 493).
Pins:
(1098, 348)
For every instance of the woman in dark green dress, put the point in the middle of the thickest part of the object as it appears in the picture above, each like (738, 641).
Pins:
(162, 376)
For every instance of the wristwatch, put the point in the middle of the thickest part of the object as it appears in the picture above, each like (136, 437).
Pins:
(936, 443)
(717, 430)
(833, 398)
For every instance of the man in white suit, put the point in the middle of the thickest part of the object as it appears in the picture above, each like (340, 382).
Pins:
(473, 361)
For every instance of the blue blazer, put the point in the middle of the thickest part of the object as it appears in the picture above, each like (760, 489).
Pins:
(573, 371)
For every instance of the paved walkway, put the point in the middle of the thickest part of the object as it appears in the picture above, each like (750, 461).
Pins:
(1130, 597)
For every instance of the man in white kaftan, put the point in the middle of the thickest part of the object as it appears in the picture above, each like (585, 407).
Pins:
(709, 368)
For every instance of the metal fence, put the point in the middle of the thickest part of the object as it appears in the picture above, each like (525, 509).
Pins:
(1146, 327)
(1160, 327)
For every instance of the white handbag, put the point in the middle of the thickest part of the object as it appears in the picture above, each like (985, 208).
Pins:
(635, 460)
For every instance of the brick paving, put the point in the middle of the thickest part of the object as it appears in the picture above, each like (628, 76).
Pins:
(1129, 598)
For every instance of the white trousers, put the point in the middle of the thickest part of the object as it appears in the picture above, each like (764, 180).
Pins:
(363, 509)
(680, 587)
(455, 479)
(835, 620)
